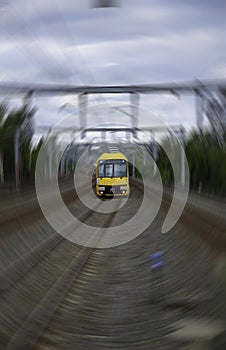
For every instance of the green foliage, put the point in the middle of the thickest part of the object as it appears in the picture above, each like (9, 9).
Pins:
(34, 156)
(206, 160)
(207, 163)
(164, 164)
(3, 113)
(13, 121)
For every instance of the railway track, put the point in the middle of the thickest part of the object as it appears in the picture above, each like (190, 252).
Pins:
(28, 334)
(18, 268)
(207, 222)
(102, 298)
(24, 265)
(25, 234)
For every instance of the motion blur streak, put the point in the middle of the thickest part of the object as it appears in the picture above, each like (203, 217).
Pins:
(79, 79)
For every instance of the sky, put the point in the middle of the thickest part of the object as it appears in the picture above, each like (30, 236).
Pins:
(140, 42)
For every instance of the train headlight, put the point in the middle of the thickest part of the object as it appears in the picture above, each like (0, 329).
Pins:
(101, 188)
(123, 188)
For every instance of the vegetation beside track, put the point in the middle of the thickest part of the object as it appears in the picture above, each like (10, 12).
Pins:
(206, 157)
(206, 160)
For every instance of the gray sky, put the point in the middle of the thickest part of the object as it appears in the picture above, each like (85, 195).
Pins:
(143, 41)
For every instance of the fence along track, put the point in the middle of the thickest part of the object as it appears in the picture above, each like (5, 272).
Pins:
(28, 334)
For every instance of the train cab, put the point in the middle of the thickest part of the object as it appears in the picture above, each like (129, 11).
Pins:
(112, 175)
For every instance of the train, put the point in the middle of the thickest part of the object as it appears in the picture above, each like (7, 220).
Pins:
(112, 175)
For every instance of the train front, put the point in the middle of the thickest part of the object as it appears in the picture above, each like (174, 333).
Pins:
(112, 175)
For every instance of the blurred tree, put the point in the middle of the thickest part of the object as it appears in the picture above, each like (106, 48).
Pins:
(206, 160)
(49, 148)
(3, 114)
(164, 164)
(34, 155)
(18, 128)
(196, 150)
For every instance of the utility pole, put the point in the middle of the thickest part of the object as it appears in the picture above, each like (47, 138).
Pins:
(182, 140)
(16, 152)
(134, 105)
(83, 102)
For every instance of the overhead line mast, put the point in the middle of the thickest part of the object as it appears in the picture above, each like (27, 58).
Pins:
(214, 107)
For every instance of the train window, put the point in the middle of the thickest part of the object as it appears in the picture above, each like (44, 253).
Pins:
(109, 170)
(101, 170)
(112, 168)
(120, 170)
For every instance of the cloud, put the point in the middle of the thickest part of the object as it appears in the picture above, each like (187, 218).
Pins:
(140, 42)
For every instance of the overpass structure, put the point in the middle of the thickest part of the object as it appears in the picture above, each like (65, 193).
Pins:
(210, 103)
(68, 156)
(210, 97)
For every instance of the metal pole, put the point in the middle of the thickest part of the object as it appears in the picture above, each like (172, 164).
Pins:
(199, 111)
(134, 105)
(82, 101)
(62, 165)
(50, 154)
(1, 169)
(134, 165)
(182, 158)
(155, 154)
(73, 135)
(16, 154)
(103, 136)
(128, 136)
(144, 156)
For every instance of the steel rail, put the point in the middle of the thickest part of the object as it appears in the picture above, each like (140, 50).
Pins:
(28, 334)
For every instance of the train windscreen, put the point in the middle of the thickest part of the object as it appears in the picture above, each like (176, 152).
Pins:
(112, 168)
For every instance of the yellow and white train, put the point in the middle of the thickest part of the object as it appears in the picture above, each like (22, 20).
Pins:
(112, 175)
